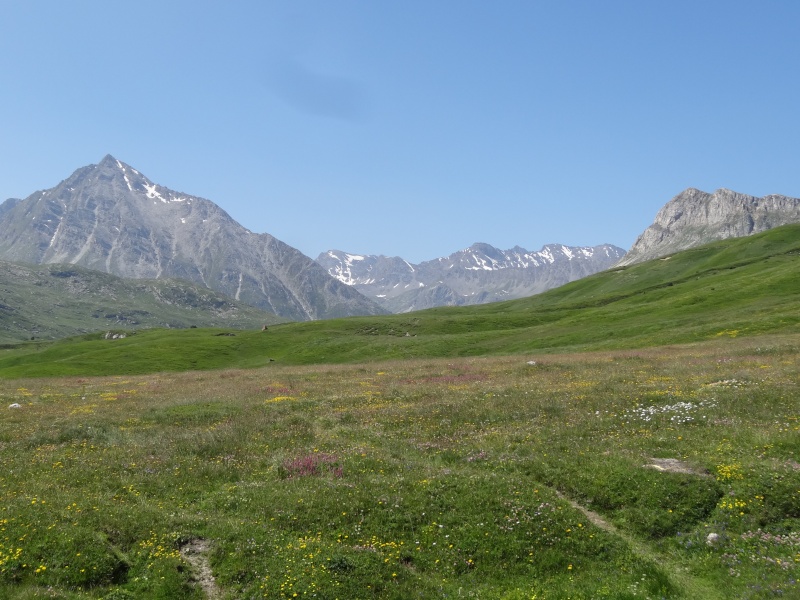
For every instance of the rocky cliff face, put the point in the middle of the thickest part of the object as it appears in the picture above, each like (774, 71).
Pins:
(475, 275)
(693, 218)
(111, 218)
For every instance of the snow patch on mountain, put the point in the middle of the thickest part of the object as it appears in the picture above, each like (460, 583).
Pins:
(478, 274)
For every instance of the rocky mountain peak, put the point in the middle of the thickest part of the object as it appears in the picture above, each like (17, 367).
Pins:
(110, 217)
(695, 217)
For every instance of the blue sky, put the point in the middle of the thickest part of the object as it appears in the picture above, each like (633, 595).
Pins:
(411, 128)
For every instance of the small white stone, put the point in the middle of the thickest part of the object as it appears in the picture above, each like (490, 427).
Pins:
(15, 405)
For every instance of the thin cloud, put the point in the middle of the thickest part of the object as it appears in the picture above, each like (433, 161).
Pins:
(316, 93)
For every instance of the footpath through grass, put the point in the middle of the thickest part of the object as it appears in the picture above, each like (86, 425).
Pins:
(655, 473)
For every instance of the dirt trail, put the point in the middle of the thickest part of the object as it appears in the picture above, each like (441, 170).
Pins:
(688, 583)
(196, 554)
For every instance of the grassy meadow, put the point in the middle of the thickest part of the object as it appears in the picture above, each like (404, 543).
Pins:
(667, 472)
(632, 435)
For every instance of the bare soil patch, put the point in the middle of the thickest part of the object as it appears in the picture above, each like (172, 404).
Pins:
(195, 552)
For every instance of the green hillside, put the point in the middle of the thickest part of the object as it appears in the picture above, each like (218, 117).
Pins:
(56, 301)
(744, 286)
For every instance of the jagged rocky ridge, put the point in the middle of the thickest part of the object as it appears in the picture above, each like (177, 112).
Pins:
(693, 218)
(111, 218)
(475, 275)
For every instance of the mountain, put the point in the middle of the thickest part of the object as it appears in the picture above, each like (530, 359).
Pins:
(475, 275)
(56, 301)
(693, 218)
(111, 218)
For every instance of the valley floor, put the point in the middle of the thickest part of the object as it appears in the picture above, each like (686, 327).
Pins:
(669, 472)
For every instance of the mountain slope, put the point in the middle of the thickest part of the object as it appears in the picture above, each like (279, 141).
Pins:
(55, 301)
(475, 275)
(733, 288)
(694, 217)
(111, 218)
